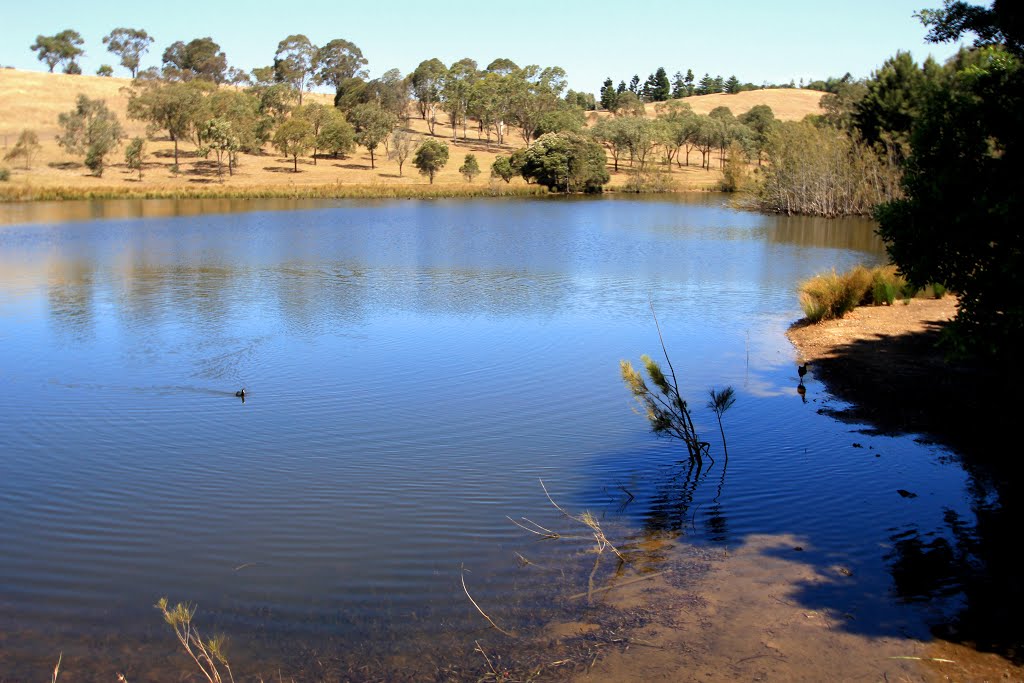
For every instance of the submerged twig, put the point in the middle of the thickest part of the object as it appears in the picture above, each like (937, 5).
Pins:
(56, 669)
(588, 520)
(462, 576)
(622, 584)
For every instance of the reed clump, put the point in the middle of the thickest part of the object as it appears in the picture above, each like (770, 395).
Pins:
(832, 295)
(30, 193)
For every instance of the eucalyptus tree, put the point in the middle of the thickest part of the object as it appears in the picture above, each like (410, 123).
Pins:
(174, 108)
(250, 126)
(26, 148)
(135, 155)
(200, 58)
(62, 48)
(293, 138)
(456, 90)
(295, 61)
(489, 102)
(341, 65)
(219, 139)
(391, 91)
(502, 66)
(534, 92)
(403, 143)
(318, 116)
(760, 118)
(611, 132)
(372, 124)
(430, 157)
(337, 136)
(90, 129)
(426, 86)
(129, 44)
(105, 71)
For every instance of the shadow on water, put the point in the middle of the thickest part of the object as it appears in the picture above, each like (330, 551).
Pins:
(902, 385)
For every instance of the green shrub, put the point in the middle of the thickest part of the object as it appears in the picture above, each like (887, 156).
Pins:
(5, 174)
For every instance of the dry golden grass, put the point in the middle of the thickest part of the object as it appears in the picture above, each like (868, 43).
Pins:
(33, 100)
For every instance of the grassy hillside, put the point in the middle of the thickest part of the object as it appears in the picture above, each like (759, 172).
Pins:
(34, 100)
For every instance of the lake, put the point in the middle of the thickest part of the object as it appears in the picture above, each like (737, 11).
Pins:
(412, 370)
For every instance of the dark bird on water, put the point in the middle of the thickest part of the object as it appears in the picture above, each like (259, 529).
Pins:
(241, 394)
(802, 370)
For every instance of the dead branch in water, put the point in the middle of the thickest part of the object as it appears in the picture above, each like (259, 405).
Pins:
(462, 575)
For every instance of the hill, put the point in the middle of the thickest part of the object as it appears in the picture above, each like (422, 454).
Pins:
(33, 100)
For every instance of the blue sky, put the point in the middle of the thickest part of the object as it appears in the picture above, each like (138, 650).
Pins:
(754, 39)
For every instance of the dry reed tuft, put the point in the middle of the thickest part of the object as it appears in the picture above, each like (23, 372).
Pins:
(832, 295)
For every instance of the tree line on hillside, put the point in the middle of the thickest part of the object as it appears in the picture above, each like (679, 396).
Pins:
(658, 88)
(182, 101)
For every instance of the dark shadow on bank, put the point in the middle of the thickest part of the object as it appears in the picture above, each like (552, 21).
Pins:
(904, 385)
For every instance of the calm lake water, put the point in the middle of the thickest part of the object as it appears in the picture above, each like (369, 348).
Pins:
(412, 368)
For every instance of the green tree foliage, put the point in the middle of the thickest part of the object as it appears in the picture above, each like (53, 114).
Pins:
(294, 62)
(894, 98)
(174, 108)
(430, 158)
(337, 137)
(372, 124)
(612, 132)
(760, 118)
(456, 90)
(563, 119)
(340, 64)
(662, 88)
(732, 86)
(534, 92)
(293, 138)
(200, 58)
(219, 139)
(470, 168)
(841, 102)
(503, 168)
(135, 155)
(62, 48)
(628, 104)
(391, 92)
(608, 95)
(317, 115)
(90, 129)
(426, 86)
(105, 71)
(129, 44)
(250, 127)
(566, 162)
(25, 148)
(679, 86)
(583, 101)
(960, 220)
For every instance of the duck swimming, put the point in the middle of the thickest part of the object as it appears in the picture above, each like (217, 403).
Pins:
(240, 394)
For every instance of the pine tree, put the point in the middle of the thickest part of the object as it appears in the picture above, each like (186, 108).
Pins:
(608, 95)
(621, 88)
(678, 86)
(689, 82)
(647, 92)
(634, 85)
(706, 85)
(732, 86)
(662, 88)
